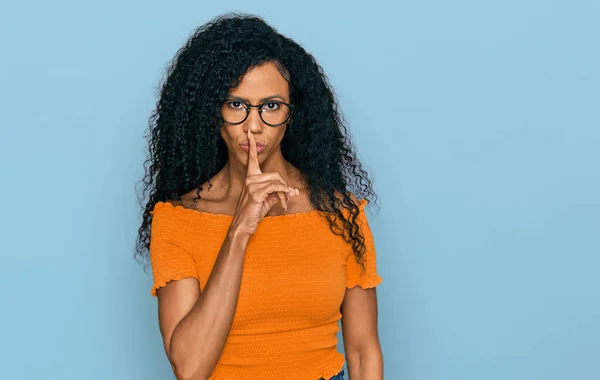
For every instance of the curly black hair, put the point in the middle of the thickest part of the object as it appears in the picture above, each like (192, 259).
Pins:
(186, 149)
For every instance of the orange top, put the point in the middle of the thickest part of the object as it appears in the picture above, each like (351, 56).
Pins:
(294, 278)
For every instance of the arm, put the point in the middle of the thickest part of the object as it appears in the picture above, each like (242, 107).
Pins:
(195, 325)
(361, 340)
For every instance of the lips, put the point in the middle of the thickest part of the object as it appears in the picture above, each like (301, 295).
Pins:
(259, 147)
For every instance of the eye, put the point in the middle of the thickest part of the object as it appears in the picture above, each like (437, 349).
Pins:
(271, 106)
(236, 104)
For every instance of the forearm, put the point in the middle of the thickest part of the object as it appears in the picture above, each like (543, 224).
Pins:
(365, 366)
(198, 340)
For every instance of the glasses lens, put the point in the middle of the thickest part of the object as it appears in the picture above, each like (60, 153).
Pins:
(275, 113)
(233, 111)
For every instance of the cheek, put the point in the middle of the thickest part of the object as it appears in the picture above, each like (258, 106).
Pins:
(280, 133)
(226, 136)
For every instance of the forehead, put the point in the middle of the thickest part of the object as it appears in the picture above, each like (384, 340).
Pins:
(261, 82)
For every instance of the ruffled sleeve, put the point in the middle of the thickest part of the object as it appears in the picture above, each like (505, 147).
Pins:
(168, 259)
(354, 274)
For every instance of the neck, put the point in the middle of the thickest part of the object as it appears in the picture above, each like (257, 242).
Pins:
(234, 173)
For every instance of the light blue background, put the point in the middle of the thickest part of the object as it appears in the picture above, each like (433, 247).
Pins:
(479, 120)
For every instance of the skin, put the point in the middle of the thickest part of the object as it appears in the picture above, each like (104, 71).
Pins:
(195, 325)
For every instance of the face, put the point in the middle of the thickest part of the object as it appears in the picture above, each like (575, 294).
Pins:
(259, 85)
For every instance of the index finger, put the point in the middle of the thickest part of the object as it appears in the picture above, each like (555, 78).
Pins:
(253, 166)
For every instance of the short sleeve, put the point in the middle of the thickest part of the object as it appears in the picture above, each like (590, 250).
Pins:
(168, 259)
(354, 272)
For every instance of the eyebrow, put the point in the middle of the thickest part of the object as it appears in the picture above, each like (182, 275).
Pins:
(262, 100)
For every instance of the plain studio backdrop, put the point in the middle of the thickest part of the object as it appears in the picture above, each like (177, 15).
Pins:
(479, 121)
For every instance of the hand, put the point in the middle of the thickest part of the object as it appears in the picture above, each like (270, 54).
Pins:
(261, 191)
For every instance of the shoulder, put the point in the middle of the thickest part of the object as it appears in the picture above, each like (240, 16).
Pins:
(172, 212)
(360, 203)
(198, 199)
(355, 200)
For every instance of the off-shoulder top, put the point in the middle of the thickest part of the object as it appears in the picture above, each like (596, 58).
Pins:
(295, 274)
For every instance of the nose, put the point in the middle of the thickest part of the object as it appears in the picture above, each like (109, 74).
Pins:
(254, 123)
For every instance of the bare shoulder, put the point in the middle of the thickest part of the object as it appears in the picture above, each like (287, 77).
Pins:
(206, 198)
(196, 198)
(340, 196)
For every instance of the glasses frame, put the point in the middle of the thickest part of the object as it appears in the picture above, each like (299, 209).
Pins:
(259, 106)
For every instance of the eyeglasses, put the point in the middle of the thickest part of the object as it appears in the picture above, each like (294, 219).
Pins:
(272, 112)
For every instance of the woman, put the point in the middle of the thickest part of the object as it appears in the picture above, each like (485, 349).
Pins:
(257, 247)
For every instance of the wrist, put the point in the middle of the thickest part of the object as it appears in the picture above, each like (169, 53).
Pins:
(238, 234)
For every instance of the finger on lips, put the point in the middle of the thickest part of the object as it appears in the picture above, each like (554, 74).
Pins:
(254, 169)
(253, 165)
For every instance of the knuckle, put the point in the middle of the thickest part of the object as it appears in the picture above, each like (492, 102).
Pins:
(282, 180)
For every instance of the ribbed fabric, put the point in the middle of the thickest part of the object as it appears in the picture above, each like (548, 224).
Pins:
(294, 279)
